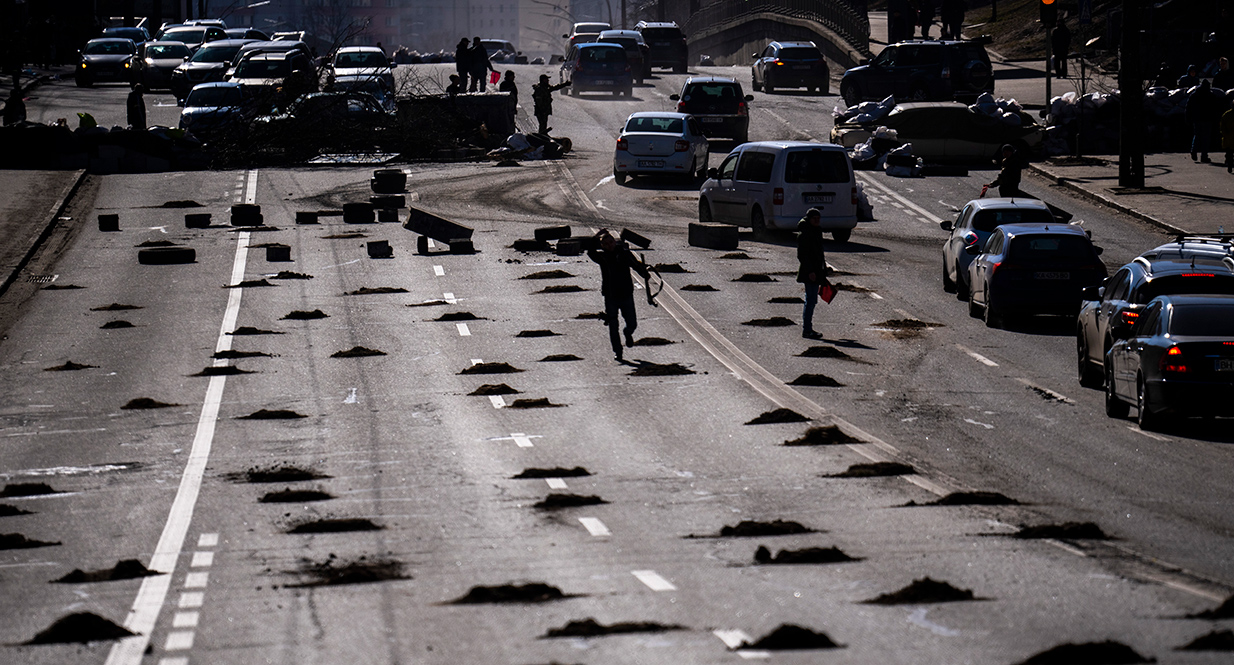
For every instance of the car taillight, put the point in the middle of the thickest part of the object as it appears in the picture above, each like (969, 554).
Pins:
(578, 66)
(1173, 361)
(681, 107)
(681, 146)
(741, 108)
(777, 62)
(623, 144)
(1198, 274)
(777, 196)
(1129, 317)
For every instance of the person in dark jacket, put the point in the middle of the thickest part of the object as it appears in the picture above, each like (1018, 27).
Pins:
(137, 107)
(462, 62)
(1224, 78)
(951, 14)
(480, 66)
(15, 107)
(542, 99)
(1060, 44)
(1008, 180)
(507, 85)
(813, 266)
(925, 16)
(456, 87)
(1201, 114)
(1190, 79)
(616, 261)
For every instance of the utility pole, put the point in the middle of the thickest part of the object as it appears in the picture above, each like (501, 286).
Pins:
(1131, 87)
(1049, 19)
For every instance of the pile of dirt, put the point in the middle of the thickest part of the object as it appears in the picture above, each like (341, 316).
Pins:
(791, 637)
(275, 474)
(182, 204)
(906, 324)
(556, 500)
(237, 355)
(12, 490)
(653, 341)
(559, 357)
(287, 274)
(1089, 653)
(1218, 640)
(114, 307)
(69, 366)
(773, 322)
(1065, 531)
(7, 510)
(667, 268)
(1225, 611)
(362, 571)
(561, 288)
(127, 569)
(533, 403)
(249, 283)
(600, 316)
(556, 472)
(336, 525)
(80, 628)
(824, 352)
(62, 287)
(366, 291)
(494, 389)
(755, 529)
(156, 243)
(740, 256)
(357, 352)
(828, 435)
(973, 499)
(875, 470)
(756, 277)
(223, 370)
(458, 316)
(656, 369)
(115, 325)
(491, 368)
(778, 416)
(300, 315)
(786, 300)
(926, 590)
(272, 414)
(533, 592)
(295, 496)
(548, 274)
(344, 236)
(808, 555)
(16, 541)
(244, 331)
(699, 287)
(537, 333)
(816, 380)
(591, 628)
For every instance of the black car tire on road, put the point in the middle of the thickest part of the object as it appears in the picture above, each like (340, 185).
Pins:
(767, 87)
(1147, 420)
(851, 94)
(704, 211)
(1114, 407)
(757, 222)
(162, 256)
(1089, 377)
(841, 235)
(620, 177)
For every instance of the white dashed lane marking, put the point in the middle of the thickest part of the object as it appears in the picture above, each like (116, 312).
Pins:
(977, 356)
(974, 422)
(174, 661)
(202, 559)
(449, 298)
(653, 580)
(463, 330)
(208, 540)
(185, 620)
(179, 640)
(594, 526)
(439, 271)
(191, 599)
(555, 483)
(497, 400)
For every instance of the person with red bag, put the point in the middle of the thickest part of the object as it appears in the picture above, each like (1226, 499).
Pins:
(813, 270)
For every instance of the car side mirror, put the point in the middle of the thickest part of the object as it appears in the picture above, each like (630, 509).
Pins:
(675, 97)
(565, 36)
(945, 225)
(1099, 250)
(972, 250)
(1119, 329)
(713, 173)
(749, 98)
(754, 55)
(1090, 293)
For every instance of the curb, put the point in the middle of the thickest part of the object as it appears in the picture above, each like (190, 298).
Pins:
(1106, 201)
(57, 211)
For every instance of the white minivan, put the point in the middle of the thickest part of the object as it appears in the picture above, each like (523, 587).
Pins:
(771, 185)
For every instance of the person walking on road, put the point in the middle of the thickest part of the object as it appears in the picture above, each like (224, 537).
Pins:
(507, 85)
(812, 271)
(1227, 137)
(462, 63)
(1008, 180)
(1201, 111)
(616, 260)
(137, 107)
(480, 65)
(15, 107)
(951, 14)
(542, 100)
(925, 16)
(1060, 44)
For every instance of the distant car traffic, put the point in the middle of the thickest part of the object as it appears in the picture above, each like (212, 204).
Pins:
(246, 33)
(1027, 270)
(360, 62)
(656, 143)
(157, 61)
(106, 59)
(215, 110)
(138, 35)
(973, 226)
(598, 67)
(208, 64)
(636, 50)
(947, 131)
(719, 105)
(922, 70)
(336, 121)
(1176, 360)
(667, 45)
(192, 36)
(583, 33)
(790, 65)
(275, 78)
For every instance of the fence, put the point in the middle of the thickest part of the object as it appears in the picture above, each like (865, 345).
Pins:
(847, 18)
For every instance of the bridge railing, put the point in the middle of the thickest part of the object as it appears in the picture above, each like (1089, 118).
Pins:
(847, 18)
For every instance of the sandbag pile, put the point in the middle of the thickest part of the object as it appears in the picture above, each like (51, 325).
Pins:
(1006, 110)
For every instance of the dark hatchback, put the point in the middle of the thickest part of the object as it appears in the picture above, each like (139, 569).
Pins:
(719, 105)
(595, 66)
(790, 65)
(666, 44)
(1025, 270)
(108, 59)
(1177, 360)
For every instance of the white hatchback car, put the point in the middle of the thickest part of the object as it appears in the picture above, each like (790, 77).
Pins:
(660, 143)
(352, 64)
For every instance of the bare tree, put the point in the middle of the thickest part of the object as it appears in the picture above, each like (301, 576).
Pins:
(332, 23)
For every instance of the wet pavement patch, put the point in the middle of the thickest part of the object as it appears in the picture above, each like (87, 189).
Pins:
(875, 470)
(1088, 653)
(275, 474)
(557, 472)
(357, 352)
(336, 525)
(81, 627)
(548, 274)
(561, 288)
(816, 380)
(778, 416)
(114, 307)
(926, 590)
(114, 325)
(7, 510)
(656, 369)
(301, 315)
(344, 236)
(592, 628)
(494, 389)
(331, 572)
(786, 300)
(791, 637)
(287, 274)
(653, 341)
(249, 330)
(26, 489)
(249, 283)
(828, 435)
(366, 291)
(1065, 531)
(222, 370)
(533, 592)
(824, 352)
(491, 368)
(537, 333)
(127, 569)
(295, 496)
(557, 500)
(773, 322)
(699, 287)
(69, 366)
(559, 358)
(740, 256)
(755, 529)
(182, 204)
(272, 414)
(970, 499)
(808, 555)
(1218, 640)
(667, 268)
(16, 541)
(533, 403)
(236, 355)
(458, 316)
(755, 277)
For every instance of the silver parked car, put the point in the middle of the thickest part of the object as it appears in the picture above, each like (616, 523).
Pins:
(657, 143)
(973, 226)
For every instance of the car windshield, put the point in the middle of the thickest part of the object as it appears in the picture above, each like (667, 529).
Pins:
(215, 54)
(604, 54)
(168, 51)
(590, 28)
(109, 48)
(661, 34)
(1050, 247)
(988, 220)
(816, 167)
(800, 53)
(263, 69)
(185, 35)
(214, 96)
(1208, 320)
(1200, 282)
(702, 92)
(363, 59)
(660, 125)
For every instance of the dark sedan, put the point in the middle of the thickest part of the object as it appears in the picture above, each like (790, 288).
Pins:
(1177, 360)
(790, 65)
(208, 65)
(107, 59)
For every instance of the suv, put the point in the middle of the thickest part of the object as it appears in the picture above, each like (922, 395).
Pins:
(1191, 264)
(790, 65)
(921, 71)
(597, 66)
(719, 105)
(974, 225)
(666, 45)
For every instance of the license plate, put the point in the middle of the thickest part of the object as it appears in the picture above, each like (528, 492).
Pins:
(819, 198)
(651, 163)
(1225, 365)
(604, 82)
(713, 120)
(1051, 275)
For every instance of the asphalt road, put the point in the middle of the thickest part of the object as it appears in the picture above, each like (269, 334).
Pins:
(398, 440)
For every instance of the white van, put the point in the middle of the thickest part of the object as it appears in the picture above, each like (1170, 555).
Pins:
(771, 185)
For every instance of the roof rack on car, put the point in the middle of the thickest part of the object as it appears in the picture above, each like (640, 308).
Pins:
(1223, 238)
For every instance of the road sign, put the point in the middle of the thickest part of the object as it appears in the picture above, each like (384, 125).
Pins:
(1086, 12)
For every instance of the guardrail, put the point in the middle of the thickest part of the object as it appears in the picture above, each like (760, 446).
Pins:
(847, 18)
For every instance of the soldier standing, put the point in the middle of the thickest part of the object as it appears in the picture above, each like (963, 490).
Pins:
(616, 261)
(542, 99)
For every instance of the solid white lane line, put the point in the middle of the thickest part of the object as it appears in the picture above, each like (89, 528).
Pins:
(153, 592)
(556, 483)
(185, 620)
(1154, 437)
(202, 559)
(977, 356)
(1057, 396)
(439, 271)
(208, 540)
(463, 330)
(196, 580)
(179, 640)
(449, 298)
(653, 580)
(974, 422)
(594, 526)
(522, 440)
(497, 401)
(178, 660)
(896, 195)
(191, 599)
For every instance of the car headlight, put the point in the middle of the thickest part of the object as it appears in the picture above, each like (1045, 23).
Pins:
(83, 65)
(149, 61)
(128, 64)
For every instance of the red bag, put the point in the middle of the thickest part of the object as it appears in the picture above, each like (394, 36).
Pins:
(494, 77)
(827, 292)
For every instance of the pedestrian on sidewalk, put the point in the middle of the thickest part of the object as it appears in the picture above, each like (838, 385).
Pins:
(15, 107)
(137, 107)
(1201, 111)
(1008, 180)
(812, 270)
(542, 101)
(1060, 44)
(1189, 80)
(616, 260)
(1224, 78)
(925, 16)
(462, 62)
(952, 17)
(1227, 137)
(480, 66)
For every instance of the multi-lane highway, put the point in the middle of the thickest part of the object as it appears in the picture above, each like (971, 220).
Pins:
(357, 526)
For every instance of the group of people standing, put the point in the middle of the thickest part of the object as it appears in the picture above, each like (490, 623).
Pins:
(904, 16)
(472, 64)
